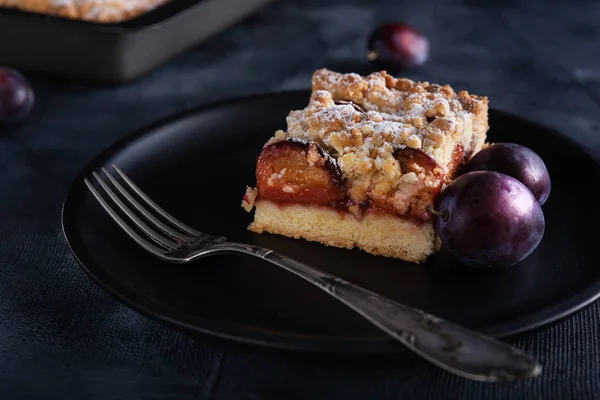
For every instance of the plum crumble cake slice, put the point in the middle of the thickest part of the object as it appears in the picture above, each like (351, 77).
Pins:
(362, 163)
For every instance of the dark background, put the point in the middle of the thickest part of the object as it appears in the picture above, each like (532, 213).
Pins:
(61, 337)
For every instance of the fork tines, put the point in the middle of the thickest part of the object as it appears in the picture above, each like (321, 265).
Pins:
(167, 232)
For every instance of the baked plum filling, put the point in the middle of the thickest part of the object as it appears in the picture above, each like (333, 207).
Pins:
(415, 198)
(294, 171)
(302, 172)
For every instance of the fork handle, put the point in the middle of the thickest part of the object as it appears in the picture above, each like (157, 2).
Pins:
(449, 346)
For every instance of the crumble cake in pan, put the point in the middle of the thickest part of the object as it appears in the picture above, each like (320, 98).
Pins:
(109, 41)
(106, 11)
(363, 162)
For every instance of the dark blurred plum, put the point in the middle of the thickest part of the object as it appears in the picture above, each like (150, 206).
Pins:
(16, 96)
(396, 47)
(517, 161)
(489, 219)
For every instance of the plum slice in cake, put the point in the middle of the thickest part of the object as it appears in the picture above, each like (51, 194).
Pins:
(363, 162)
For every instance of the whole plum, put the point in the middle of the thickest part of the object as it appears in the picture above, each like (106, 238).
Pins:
(16, 96)
(488, 219)
(517, 161)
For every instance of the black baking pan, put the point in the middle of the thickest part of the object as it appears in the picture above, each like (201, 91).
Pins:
(113, 53)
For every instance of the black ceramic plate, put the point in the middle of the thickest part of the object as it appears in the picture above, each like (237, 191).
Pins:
(197, 165)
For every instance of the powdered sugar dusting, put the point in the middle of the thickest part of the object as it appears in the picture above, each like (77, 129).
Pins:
(374, 116)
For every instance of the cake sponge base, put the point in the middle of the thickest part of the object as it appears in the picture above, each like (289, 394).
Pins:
(377, 234)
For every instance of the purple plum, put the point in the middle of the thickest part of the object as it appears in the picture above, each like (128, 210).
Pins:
(487, 219)
(16, 96)
(517, 161)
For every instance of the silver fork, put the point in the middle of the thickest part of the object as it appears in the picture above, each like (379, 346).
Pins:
(454, 348)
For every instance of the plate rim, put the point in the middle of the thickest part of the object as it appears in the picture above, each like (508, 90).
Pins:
(232, 332)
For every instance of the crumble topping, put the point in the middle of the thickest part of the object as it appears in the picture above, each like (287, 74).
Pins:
(249, 199)
(385, 114)
(276, 176)
(394, 140)
(89, 10)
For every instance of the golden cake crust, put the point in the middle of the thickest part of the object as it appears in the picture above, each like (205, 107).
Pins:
(377, 234)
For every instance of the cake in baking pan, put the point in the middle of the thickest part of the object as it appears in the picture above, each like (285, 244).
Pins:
(104, 11)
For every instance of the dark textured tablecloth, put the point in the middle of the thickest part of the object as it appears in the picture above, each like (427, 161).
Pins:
(62, 337)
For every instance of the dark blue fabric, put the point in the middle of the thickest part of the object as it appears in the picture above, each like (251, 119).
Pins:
(61, 337)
